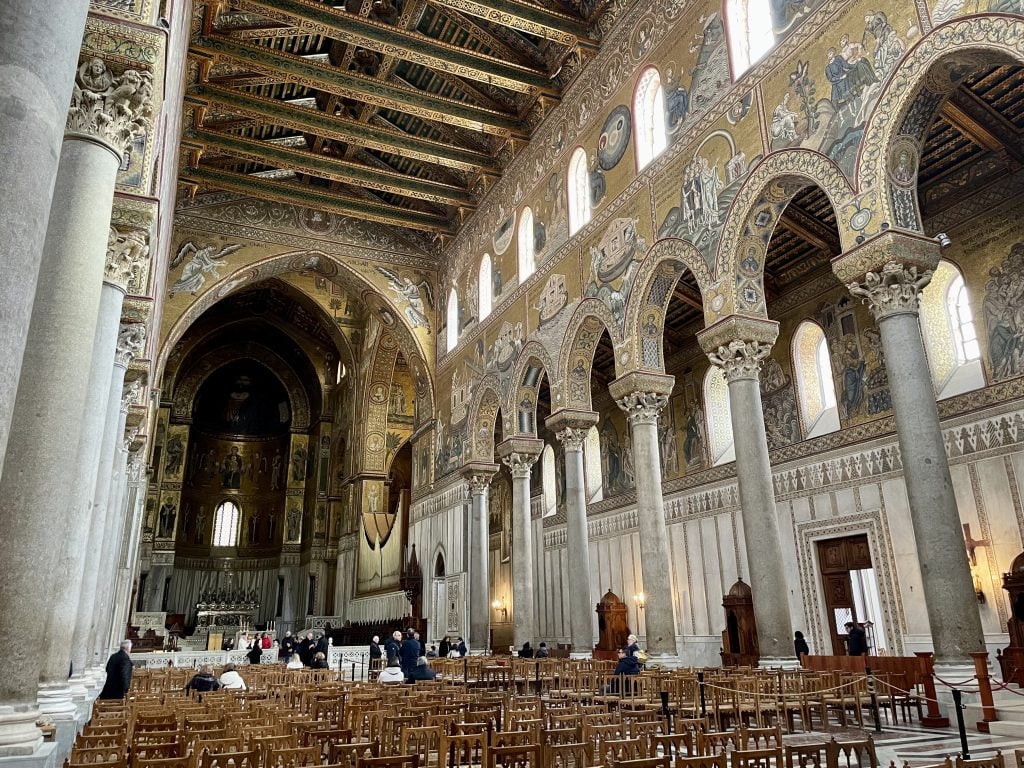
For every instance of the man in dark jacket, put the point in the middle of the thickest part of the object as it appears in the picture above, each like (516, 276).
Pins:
(410, 653)
(856, 640)
(119, 673)
(287, 646)
(393, 645)
(255, 654)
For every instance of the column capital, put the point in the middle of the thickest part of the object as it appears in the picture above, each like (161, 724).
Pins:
(519, 454)
(642, 395)
(109, 108)
(131, 340)
(130, 394)
(478, 475)
(127, 251)
(571, 426)
(889, 271)
(738, 344)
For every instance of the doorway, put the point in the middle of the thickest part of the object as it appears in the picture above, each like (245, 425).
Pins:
(851, 591)
(439, 599)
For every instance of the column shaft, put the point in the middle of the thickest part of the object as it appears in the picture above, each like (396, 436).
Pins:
(760, 521)
(479, 571)
(519, 454)
(102, 618)
(655, 564)
(945, 575)
(47, 419)
(38, 55)
(581, 607)
(55, 695)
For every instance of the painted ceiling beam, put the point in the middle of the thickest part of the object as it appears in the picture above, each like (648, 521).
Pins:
(309, 197)
(808, 228)
(343, 129)
(525, 17)
(343, 171)
(323, 77)
(320, 19)
(983, 125)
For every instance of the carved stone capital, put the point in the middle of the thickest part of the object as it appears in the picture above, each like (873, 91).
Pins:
(130, 434)
(895, 290)
(908, 249)
(131, 340)
(571, 426)
(131, 393)
(127, 252)
(519, 454)
(108, 107)
(740, 359)
(478, 476)
(642, 407)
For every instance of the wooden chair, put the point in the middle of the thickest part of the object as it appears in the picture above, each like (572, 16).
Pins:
(717, 742)
(348, 755)
(292, 757)
(390, 761)
(807, 755)
(560, 736)
(463, 749)
(572, 755)
(610, 751)
(644, 762)
(996, 761)
(861, 753)
(245, 759)
(756, 758)
(760, 738)
(98, 756)
(512, 739)
(99, 740)
(514, 756)
(672, 744)
(160, 751)
(701, 761)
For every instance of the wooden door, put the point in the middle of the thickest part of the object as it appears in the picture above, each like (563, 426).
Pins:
(836, 558)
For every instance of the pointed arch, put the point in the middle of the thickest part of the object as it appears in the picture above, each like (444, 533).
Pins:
(576, 358)
(532, 366)
(659, 273)
(484, 412)
(751, 219)
(890, 152)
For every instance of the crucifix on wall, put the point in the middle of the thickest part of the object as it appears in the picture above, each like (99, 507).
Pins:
(972, 544)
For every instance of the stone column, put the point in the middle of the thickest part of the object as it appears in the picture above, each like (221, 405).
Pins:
(519, 454)
(643, 396)
(135, 502)
(130, 342)
(571, 428)
(888, 272)
(737, 345)
(38, 55)
(479, 475)
(124, 253)
(46, 424)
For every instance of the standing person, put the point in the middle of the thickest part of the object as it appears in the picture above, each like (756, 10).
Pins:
(409, 653)
(393, 645)
(119, 673)
(254, 654)
(461, 648)
(287, 646)
(800, 645)
(444, 647)
(375, 653)
(856, 640)
(266, 642)
(321, 646)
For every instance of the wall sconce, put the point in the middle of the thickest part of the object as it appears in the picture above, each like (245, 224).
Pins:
(499, 605)
(640, 599)
(978, 591)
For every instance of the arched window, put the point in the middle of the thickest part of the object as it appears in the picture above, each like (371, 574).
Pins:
(649, 118)
(965, 337)
(453, 318)
(592, 465)
(816, 387)
(548, 480)
(950, 335)
(486, 288)
(750, 33)
(579, 191)
(719, 417)
(527, 257)
(225, 525)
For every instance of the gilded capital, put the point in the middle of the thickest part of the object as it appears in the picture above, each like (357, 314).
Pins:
(895, 290)
(109, 107)
(131, 340)
(127, 251)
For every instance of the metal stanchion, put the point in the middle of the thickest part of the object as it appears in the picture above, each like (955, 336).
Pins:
(353, 671)
(958, 705)
(703, 701)
(537, 665)
(465, 670)
(874, 700)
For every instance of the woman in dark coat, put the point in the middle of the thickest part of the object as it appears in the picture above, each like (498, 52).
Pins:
(629, 662)
(254, 654)
(800, 645)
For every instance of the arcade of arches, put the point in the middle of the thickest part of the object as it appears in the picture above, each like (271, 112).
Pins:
(417, 313)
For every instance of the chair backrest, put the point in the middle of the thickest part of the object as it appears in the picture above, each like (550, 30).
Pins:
(97, 755)
(672, 744)
(389, 761)
(568, 755)
(421, 740)
(514, 756)
(463, 749)
(292, 757)
(996, 761)
(807, 755)
(760, 738)
(241, 759)
(757, 758)
(560, 736)
(610, 751)
(861, 752)
(701, 761)
(715, 742)
(348, 755)
(512, 739)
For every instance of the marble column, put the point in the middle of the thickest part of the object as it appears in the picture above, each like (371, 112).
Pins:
(519, 454)
(571, 428)
(135, 498)
(55, 693)
(46, 424)
(478, 476)
(130, 342)
(38, 55)
(737, 345)
(888, 273)
(643, 396)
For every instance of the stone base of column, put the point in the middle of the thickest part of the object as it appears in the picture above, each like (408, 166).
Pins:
(662, 661)
(55, 702)
(43, 757)
(779, 662)
(19, 736)
(81, 685)
(580, 655)
(67, 731)
(962, 675)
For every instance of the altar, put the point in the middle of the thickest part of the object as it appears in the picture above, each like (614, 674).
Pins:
(223, 610)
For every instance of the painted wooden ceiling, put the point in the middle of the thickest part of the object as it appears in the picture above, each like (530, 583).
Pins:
(402, 112)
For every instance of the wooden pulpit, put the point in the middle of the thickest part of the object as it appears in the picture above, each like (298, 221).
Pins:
(1011, 660)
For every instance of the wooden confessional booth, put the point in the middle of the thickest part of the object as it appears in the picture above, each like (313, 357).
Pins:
(739, 640)
(1011, 660)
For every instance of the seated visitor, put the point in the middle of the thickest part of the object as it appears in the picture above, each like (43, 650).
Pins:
(422, 671)
(230, 679)
(295, 662)
(542, 652)
(526, 652)
(203, 681)
(319, 661)
(431, 652)
(392, 673)
(629, 663)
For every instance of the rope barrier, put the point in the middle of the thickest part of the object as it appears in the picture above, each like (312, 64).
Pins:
(953, 685)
